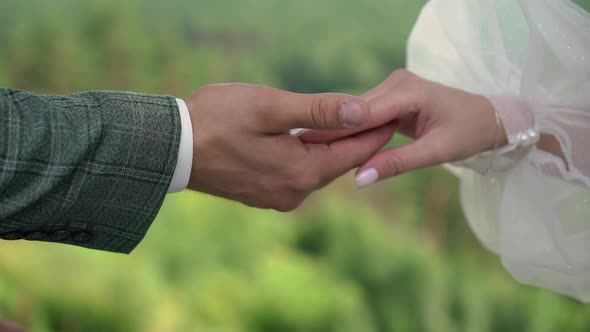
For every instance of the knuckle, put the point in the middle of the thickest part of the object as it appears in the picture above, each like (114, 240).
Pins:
(406, 79)
(395, 165)
(400, 74)
(417, 85)
(320, 112)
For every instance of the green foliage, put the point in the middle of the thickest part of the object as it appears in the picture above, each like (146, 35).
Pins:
(396, 257)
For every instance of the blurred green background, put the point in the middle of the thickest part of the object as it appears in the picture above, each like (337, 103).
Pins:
(396, 257)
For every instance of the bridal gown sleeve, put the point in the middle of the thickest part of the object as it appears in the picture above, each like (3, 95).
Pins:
(531, 58)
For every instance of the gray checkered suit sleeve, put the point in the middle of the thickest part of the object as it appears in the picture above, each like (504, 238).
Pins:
(88, 169)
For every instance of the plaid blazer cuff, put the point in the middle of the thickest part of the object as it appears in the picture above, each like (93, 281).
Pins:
(89, 169)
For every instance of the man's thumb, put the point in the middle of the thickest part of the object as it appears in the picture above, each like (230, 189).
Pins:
(324, 111)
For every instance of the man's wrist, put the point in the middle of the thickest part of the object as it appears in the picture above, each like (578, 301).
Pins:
(184, 162)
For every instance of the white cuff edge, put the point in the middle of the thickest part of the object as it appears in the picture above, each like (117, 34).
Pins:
(184, 163)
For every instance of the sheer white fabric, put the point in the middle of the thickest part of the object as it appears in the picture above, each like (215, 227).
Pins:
(532, 57)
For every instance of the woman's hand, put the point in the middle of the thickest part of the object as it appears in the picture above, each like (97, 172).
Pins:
(447, 124)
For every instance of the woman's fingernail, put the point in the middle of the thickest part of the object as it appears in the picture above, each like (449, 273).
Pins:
(367, 177)
(352, 114)
(299, 131)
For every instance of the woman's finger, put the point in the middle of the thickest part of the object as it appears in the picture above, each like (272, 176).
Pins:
(392, 162)
(351, 152)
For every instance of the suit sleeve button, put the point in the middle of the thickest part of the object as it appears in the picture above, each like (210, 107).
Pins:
(59, 235)
(11, 236)
(36, 236)
(82, 237)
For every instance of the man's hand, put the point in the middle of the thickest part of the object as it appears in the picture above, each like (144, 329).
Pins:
(243, 150)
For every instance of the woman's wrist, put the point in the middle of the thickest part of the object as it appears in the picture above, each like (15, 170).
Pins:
(517, 120)
(510, 130)
(497, 137)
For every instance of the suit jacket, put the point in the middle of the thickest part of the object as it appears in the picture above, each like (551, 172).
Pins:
(88, 169)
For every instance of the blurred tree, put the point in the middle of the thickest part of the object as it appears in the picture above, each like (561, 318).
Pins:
(397, 257)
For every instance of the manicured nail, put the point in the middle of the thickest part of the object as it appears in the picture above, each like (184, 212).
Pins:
(352, 114)
(367, 177)
(299, 131)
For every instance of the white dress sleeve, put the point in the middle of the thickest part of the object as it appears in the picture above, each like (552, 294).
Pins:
(531, 58)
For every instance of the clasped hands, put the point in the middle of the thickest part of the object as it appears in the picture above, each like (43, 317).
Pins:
(244, 149)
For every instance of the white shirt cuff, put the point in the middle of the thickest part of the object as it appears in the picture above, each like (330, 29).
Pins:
(184, 164)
